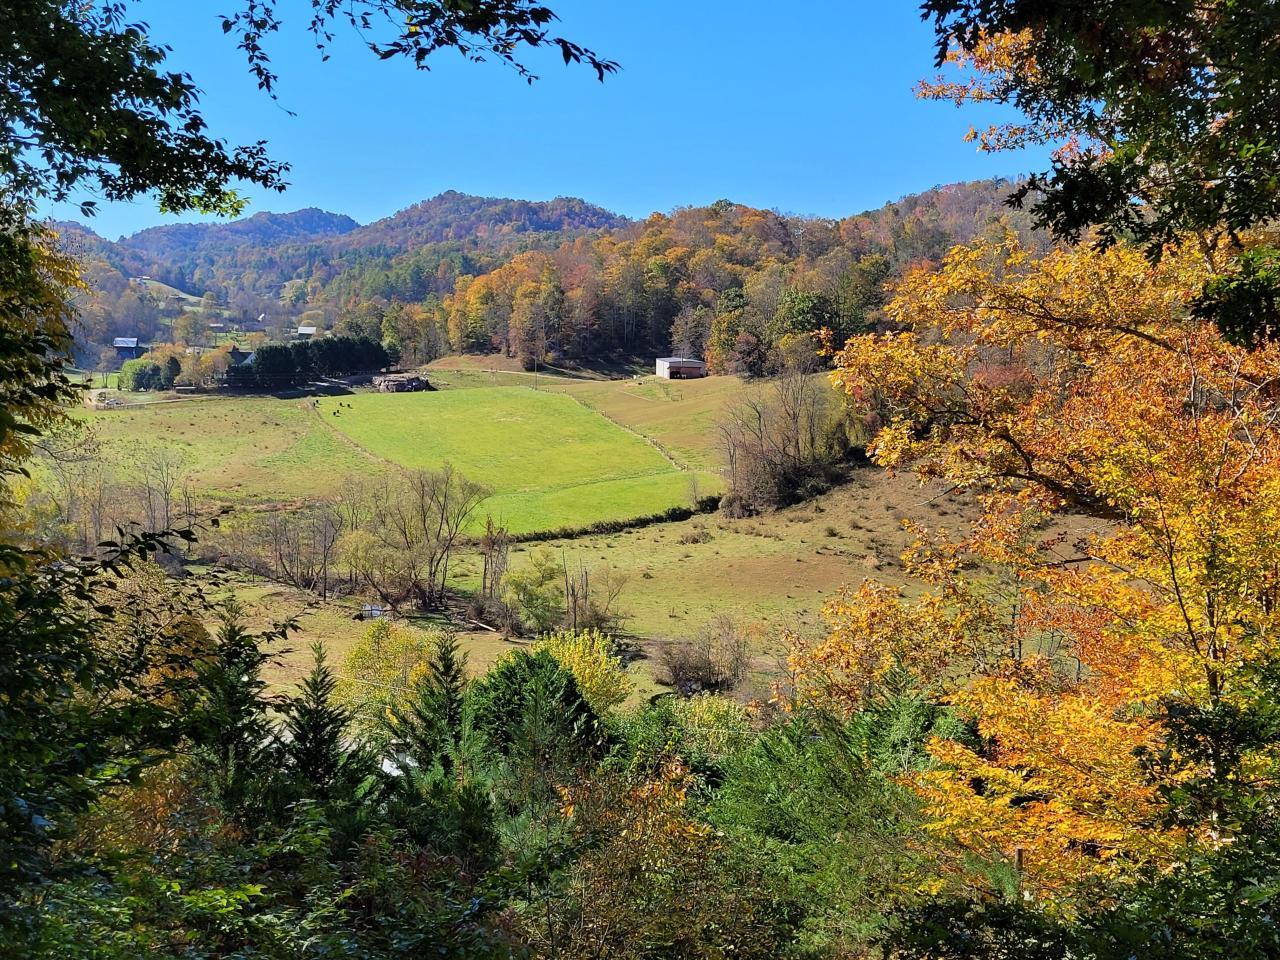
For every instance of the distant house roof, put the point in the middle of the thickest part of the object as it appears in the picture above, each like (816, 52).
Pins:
(306, 331)
(125, 342)
(678, 360)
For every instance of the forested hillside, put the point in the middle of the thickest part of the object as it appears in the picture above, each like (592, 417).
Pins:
(561, 277)
(728, 281)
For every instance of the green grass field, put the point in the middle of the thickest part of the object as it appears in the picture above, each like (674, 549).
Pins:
(772, 574)
(550, 461)
(333, 623)
(681, 416)
(238, 450)
(162, 291)
(568, 454)
(188, 301)
(95, 379)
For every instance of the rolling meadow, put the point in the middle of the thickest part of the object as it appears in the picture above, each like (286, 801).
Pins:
(576, 451)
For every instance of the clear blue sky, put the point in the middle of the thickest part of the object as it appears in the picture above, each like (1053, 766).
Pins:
(806, 108)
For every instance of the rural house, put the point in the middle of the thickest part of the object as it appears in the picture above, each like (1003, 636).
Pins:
(679, 368)
(237, 356)
(128, 348)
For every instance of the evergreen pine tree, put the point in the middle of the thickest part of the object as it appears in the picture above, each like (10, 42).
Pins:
(237, 740)
(315, 728)
(429, 727)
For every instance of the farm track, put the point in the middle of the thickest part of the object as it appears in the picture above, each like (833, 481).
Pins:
(666, 454)
(107, 407)
(351, 443)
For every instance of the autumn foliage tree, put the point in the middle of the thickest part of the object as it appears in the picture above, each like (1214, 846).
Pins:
(1105, 624)
(652, 880)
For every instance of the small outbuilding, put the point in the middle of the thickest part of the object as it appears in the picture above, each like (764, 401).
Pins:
(679, 368)
(372, 611)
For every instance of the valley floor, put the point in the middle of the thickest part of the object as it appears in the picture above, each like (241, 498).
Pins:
(772, 574)
(572, 452)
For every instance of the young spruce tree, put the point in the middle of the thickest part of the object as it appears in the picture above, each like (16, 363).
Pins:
(315, 731)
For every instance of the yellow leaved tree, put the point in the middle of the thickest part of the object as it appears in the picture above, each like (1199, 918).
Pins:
(1111, 613)
(589, 655)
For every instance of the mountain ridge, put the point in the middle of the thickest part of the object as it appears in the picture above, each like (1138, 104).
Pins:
(614, 273)
(348, 223)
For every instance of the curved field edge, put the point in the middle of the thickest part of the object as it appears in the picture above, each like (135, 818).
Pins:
(550, 461)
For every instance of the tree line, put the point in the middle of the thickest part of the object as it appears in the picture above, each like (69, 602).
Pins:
(727, 282)
(273, 366)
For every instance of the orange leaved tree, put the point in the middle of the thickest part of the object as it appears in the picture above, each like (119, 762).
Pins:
(1109, 625)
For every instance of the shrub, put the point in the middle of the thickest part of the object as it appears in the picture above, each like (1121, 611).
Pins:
(783, 444)
(140, 374)
(380, 671)
(537, 591)
(714, 726)
(671, 515)
(715, 660)
(592, 659)
(698, 534)
(169, 371)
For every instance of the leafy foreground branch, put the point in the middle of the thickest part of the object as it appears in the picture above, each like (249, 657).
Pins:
(1108, 628)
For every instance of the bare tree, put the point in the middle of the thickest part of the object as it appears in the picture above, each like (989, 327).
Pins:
(302, 545)
(591, 598)
(776, 441)
(715, 659)
(420, 521)
(448, 499)
(495, 546)
(326, 530)
(82, 496)
(376, 566)
(160, 471)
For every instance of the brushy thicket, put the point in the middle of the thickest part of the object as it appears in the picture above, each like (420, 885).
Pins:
(708, 504)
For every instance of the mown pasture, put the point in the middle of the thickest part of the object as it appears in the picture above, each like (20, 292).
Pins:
(567, 454)
(549, 460)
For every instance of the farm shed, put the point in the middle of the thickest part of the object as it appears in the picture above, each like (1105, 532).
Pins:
(679, 368)
(128, 348)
